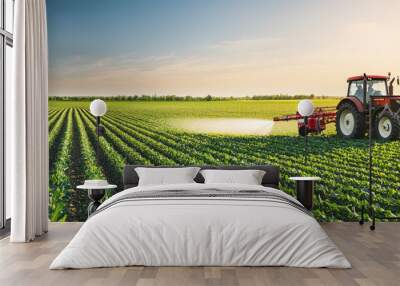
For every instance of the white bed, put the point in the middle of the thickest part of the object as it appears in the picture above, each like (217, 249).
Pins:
(202, 231)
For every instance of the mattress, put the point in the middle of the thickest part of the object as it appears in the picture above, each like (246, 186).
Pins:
(201, 225)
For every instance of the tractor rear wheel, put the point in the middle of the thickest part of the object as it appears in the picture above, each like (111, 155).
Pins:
(385, 128)
(350, 123)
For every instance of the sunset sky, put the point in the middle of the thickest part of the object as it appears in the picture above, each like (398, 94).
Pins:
(218, 47)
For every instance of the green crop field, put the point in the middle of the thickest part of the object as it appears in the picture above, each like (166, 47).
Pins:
(140, 133)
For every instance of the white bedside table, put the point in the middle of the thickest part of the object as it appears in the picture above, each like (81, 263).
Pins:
(95, 194)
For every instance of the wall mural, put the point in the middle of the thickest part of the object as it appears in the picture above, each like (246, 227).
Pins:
(195, 100)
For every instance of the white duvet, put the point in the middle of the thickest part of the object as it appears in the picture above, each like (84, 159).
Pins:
(200, 231)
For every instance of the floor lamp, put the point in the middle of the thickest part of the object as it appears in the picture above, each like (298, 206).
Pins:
(98, 108)
(305, 109)
(370, 182)
(370, 147)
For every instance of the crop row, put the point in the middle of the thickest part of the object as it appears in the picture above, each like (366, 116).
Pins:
(59, 180)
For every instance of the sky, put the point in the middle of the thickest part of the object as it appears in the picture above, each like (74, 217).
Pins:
(218, 47)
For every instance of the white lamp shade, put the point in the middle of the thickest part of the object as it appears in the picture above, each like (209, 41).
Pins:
(98, 107)
(305, 107)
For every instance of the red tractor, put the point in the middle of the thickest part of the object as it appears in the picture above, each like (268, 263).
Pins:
(352, 113)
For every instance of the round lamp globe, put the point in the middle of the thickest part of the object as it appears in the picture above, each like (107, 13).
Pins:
(98, 107)
(305, 107)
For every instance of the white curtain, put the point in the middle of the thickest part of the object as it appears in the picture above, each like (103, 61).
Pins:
(27, 157)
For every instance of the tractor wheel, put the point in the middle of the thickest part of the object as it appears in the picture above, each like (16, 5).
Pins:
(350, 123)
(302, 131)
(385, 128)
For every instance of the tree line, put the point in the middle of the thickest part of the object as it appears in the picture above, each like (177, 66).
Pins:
(186, 98)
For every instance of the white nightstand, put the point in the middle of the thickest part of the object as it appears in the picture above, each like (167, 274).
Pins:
(95, 194)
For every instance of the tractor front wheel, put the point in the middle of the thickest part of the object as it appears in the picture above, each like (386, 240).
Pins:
(350, 123)
(385, 128)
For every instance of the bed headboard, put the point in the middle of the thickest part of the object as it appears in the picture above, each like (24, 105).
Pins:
(271, 178)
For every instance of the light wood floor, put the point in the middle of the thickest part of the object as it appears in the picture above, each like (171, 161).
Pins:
(375, 257)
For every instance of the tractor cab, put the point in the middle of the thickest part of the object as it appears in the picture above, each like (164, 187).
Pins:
(376, 85)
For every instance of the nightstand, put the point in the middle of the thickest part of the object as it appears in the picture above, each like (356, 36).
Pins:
(305, 190)
(95, 194)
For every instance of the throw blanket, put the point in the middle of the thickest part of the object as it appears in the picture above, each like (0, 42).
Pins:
(206, 193)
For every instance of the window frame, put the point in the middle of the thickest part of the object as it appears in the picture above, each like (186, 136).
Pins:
(6, 39)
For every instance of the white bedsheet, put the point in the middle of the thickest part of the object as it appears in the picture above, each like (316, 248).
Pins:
(194, 231)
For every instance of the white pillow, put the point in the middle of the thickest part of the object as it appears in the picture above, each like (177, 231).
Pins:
(248, 177)
(166, 176)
